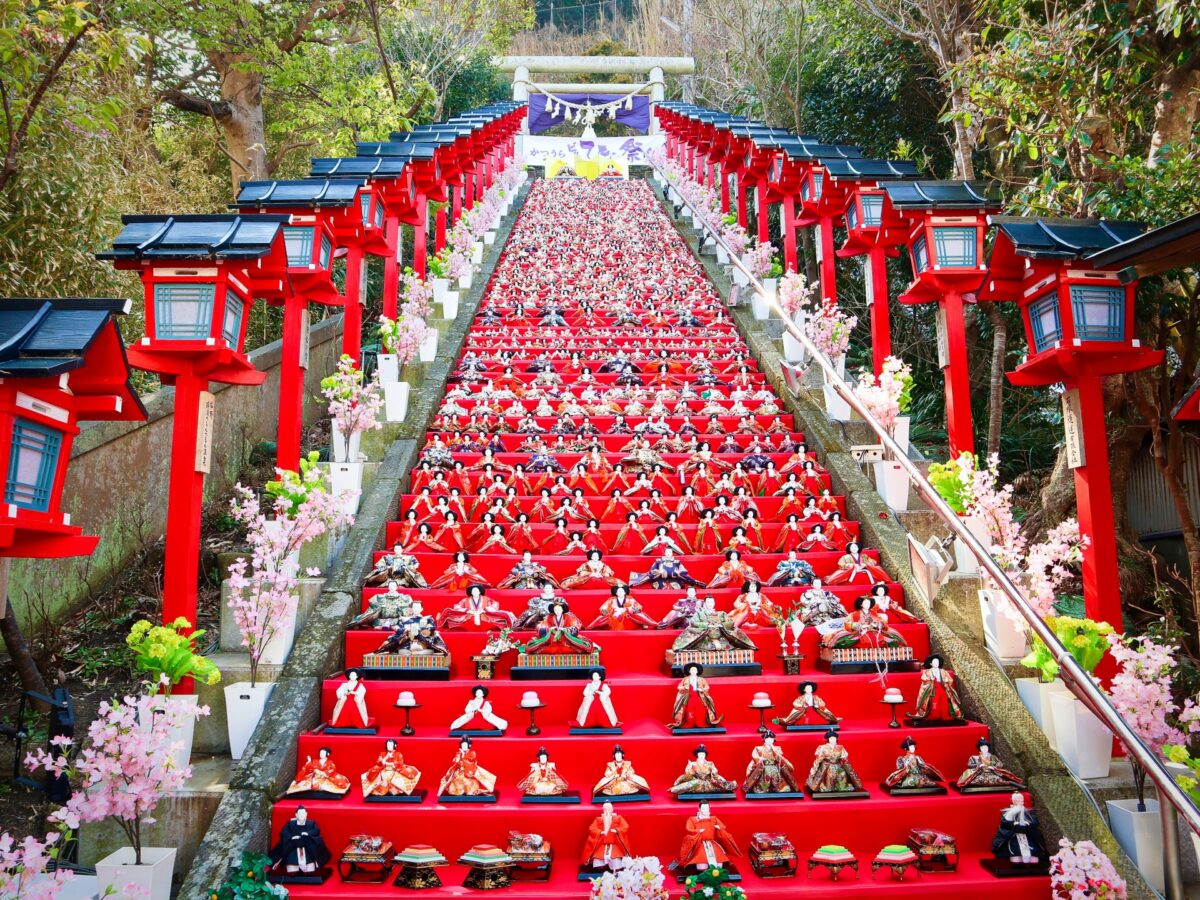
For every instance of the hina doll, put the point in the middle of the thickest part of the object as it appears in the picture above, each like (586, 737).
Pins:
(741, 541)
(300, 848)
(478, 707)
(690, 507)
(913, 774)
(681, 611)
(558, 633)
(465, 777)
(619, 779)
(592, 573)
(543, 779)
(854, 567)
(496, 542)
(831, 771)
(319, 775)
(694, 706)
(398, 566)
(384, 610)
(618, 505)
(707, 842)
(620, 612)
(808, 709)
(389, 776)
(475, 610)
(459, 575)
(537, 607)
(712, 630)
(607, 840)
(632, 537)
(836, 531)
(415, 636)
(733, 571)
(350, 705)
(666, 571)
(792, 572)
(521, 537)
(752, 610)
(661, 543)
(937, 698)
(864, 627)
(885, 606)
(986, 774)
(1019, 838)
(700, 776)
(818, 606)
(596, 710)
(816, 540)
(810, 479)
(526, 575)
(769, 771)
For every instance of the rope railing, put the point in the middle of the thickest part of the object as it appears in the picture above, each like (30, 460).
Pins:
(1077, 681)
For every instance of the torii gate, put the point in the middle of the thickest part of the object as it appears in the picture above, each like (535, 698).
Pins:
(652, 68)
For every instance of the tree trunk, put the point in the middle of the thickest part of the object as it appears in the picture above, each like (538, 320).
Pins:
(245, 131)
(18, 651)
(964, 137)
(996, 377)
(1176, 111)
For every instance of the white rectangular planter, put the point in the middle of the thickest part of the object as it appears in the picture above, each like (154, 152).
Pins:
(760, 306)
(428, 351)
(1035, 694)
(793, 350)
(477, 253)
(152, 877)
(244, 706)
(771, 286)
(1004, 637)
(489, 238)
(900, 430)
(450, 305)
(440, 286)
(892, 483)
(835, 407)
(965, 562)
(739, 277)
(180, 734)
(722, 256)
(395, 401)
(465, 282)
(344, 447)
(1083, 742)
(388, 366)
(275, 651)
(1140, 835)
(346, 479)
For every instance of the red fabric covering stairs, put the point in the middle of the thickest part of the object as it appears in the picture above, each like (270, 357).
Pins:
(643, 691)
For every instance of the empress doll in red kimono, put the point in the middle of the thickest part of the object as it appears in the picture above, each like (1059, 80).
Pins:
(708, 536)
(592, 573)
(706, 842)
(459, 575)
(854, 567)
(816, 540)
(733, 571)
(632, 537)
(621, 612)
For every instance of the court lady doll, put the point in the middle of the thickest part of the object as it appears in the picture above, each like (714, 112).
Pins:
(620, 612)
(912, 773)
(769, 771)
(700, 776)
(475, 610)
(543, 779)
(526, 575)
(752, 610)
(937, 698)
(390, 776)
(854, 568)
(591, 574)
(619, 779)
(985, 773)
(694, 707)
(319, 775)
(350, 708)
(808, 708)
(732, 571)
(478, 707)
(460, 574)
(465, 777)
(831, 771)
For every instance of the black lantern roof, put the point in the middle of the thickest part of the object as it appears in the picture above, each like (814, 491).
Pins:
(454, 129)
(191, 237)
(42, 338)
(357, 167)
(1175, 245)
(314, 192)
(1039, 238)
(426, 137)
(413, 152)
(853, 169)
(938, 195)
(798, 148)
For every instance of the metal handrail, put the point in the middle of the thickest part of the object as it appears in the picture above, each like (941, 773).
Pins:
(1078, 681)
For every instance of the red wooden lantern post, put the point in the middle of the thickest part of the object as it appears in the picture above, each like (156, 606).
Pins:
(392, 185)
(427, 179)
(61, 362)
(319, 210)
(845, 183)
(450, 172)
(201, 274)
(946, 225)
(818, 210)
(1079, 325)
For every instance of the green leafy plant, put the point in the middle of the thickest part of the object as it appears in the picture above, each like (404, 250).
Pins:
(948, 480)
(729, 219)
(1084, 639)
(1190, 780)
(248, 881)
(167, 653)
(437, 264)
(712, 884)
(776, 271)
(295, 487)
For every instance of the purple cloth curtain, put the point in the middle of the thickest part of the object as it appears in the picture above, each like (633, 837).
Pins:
(637, 118)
